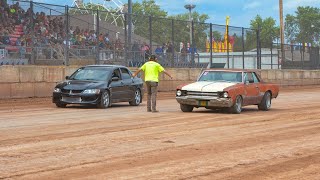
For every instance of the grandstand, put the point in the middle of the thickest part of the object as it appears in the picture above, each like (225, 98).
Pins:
(45, 34)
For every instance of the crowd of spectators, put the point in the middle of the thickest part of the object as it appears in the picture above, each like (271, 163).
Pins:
(50, 37)
(49, 32)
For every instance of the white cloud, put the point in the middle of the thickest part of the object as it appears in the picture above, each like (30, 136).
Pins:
(292, 5)
(252, 5)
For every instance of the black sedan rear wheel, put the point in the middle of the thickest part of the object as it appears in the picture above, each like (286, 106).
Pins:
(104, 100)
(136, 99)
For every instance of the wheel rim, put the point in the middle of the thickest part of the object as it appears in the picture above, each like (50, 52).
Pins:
(268, 100)
(239, 104)
(105, 99)
(137, 97)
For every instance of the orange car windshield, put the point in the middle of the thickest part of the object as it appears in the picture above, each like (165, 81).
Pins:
(221, 76)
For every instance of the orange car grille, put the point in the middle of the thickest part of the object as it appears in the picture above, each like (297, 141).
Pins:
(196, 93)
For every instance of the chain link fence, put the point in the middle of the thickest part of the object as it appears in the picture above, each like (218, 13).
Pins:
(46, 34)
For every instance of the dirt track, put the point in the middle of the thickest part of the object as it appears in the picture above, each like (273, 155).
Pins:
(40, 141)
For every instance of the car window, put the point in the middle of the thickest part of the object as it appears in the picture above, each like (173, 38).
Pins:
(255, 78)
(125, 74)
(91, 73)
(116, 73)
(248, 77)
(221, 76)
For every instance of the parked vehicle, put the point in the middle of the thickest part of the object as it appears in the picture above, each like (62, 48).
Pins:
(99, 85)
(231, 89)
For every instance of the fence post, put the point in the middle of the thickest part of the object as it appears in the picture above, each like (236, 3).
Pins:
(173, 50)
(193, 43)
(126, 46)
(32, 58)
(271, 55)
(258, 49)
(228, 58)
(66, 54)
(303, 50)
(129, 22)
(243, 66)
(150, 33)
(210, 63)
(98, 33)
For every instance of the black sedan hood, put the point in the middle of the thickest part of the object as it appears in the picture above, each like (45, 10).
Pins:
(81, 85)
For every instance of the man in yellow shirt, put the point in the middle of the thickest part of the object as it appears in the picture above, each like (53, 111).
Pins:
(151, 71)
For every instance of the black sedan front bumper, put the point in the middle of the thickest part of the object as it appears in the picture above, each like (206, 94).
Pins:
(63, 98)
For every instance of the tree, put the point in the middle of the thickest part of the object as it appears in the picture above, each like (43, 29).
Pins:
(141, 19)
(304, 26)
(201, 29)
(309, 24)
(291, 28)
(268, 30)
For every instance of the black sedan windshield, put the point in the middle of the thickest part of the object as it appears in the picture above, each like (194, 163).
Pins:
(92, 74)
(221, 76)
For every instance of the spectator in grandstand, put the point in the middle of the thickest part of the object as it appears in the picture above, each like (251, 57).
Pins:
(170, 50)
(158, 51)
(183, 54)
(135, 51)
(6, 38)
(118, 48)
(192, 50)
(145, 51)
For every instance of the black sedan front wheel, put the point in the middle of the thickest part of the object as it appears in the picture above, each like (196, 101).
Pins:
(61, 105)
(136, 99)
(104, 100)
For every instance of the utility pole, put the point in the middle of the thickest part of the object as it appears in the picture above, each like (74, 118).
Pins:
(129, 22)
(281, 29)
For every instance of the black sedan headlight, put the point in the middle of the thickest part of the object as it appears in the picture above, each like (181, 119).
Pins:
(56, 90)
(91, 91)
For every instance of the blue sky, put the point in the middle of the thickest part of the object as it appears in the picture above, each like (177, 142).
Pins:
(240, 11)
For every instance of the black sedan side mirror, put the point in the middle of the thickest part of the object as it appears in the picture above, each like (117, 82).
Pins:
(67, 77)
(115, 79)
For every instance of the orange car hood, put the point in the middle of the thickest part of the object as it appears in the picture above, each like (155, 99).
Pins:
(206, 86)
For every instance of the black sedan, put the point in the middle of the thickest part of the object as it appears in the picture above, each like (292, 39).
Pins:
(99, 85)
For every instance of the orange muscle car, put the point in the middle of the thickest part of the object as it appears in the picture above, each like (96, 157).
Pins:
(231, 89)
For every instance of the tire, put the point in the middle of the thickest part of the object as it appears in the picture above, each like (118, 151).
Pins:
(61, 105)
(265, 103)
(237, 107)
(186, 108)
(136, 99)
(104, 100)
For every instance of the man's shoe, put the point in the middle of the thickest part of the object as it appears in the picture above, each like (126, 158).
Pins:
(155, 111)
(149, 110)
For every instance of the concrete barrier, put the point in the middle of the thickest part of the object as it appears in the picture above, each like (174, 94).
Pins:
(38, 81)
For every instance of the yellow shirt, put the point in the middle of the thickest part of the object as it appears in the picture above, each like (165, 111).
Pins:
(151, 71)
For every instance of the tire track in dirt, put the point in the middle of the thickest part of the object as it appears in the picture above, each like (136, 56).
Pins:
(204, 144)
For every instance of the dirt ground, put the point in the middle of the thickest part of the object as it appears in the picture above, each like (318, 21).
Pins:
(40, 141)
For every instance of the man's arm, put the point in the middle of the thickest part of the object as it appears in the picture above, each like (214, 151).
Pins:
(136, 73)
(164, 71)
